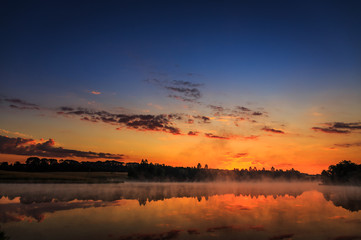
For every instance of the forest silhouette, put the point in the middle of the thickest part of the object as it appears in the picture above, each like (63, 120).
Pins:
(345, 172)
(145, 171)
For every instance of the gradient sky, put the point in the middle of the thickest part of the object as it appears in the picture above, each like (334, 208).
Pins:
(229, 83)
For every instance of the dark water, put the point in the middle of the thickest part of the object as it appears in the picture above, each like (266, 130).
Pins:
(149, 211)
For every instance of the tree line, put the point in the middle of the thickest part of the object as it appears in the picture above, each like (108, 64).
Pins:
(145, 171)
(161, 172)
(345, 172)
(35, 164)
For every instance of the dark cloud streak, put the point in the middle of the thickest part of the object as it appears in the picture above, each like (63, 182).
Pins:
(29, 147)
(257, 113)
(178, 89)
(186, 83)
(211, 135)
(20, 104)
(330, 130)
(244, 109)
(193, 133)
(347, 145)
(23, 107)
(272, 130)
(355, 125)
(203, 119)
(216, 108)
(142, 122)
(192, 93)
(339, 127)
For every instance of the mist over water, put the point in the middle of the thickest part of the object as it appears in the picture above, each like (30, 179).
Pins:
(221, 210)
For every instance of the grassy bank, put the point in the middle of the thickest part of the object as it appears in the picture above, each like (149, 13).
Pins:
(62, 177)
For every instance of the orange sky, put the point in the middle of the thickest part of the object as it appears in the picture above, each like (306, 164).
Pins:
(222, 142)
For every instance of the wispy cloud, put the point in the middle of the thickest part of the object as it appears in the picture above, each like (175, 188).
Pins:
(186, 83)
(154, 122)
(257, 113)
(211, 135)
(193, 133)
(202, 119)
(182, 90)
(272, 130)
(343, 125)
(329, 130)
(216, 108)
(338, 127)
(190, 92)
(347, 145)
(237, 113)
(21, 104)
(95, 92)
(4, 131)
(31, 147)
(244, 109)
(142, 122)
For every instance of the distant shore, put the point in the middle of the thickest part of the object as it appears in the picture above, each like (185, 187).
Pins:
(36, 170)
(62, 177)
(46, 170)
(95, 177)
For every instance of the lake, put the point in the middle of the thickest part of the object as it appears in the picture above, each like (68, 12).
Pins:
(152, 211)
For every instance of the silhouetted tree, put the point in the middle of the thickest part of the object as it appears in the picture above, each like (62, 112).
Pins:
(345, 172)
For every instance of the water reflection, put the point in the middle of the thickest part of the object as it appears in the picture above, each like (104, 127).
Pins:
(34, 200)
(143, 192)
(347, 197)
(180, 211)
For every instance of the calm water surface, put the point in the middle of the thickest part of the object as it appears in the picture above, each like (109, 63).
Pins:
(150, 211)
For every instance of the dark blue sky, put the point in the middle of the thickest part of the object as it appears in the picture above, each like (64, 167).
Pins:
(48, 45)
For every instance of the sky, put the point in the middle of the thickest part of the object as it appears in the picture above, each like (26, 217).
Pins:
(231, 84)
